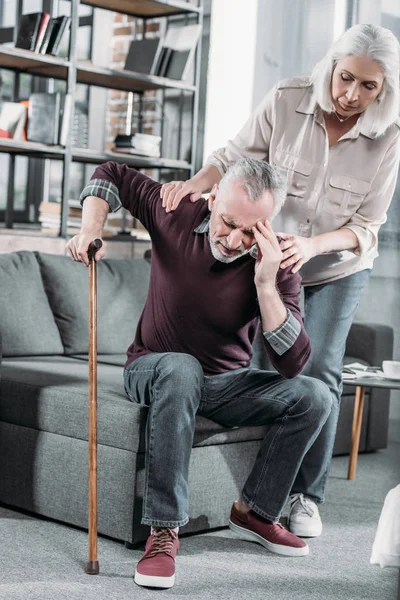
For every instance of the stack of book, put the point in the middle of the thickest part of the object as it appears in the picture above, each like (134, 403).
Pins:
(50, 217)
(116, 223)
(40, 33)
(169, 56)
(141, 144)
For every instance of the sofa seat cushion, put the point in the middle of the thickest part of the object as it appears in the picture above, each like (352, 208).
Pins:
(118, 360)
(122, 286)
(51, 394)
(27, 324)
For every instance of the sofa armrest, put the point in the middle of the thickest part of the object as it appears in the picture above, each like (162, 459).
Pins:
(371, 342)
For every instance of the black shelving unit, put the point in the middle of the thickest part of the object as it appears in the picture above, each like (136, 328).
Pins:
(75, 72)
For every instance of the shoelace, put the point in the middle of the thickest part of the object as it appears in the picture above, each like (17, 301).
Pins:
(306, 503)
(162, 541)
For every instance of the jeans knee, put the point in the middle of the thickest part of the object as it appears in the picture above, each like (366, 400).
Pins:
(316, 397)
(321, 399)
(181, 370)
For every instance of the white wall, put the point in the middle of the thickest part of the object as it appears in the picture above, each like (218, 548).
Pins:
(231, 70)
(252, 49)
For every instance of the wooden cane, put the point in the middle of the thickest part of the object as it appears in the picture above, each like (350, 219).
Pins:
(92, 566)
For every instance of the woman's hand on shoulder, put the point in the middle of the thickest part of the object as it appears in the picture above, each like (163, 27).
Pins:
(173, 192)
(296, 250)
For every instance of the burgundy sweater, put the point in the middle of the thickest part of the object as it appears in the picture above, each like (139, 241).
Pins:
(196, 304)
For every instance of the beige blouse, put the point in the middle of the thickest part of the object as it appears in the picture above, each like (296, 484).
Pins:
(349, 184)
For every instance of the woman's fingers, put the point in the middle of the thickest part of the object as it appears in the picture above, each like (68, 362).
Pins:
(295, 258)
(180, 193)
(171, 193)
(291, 250)
(165, 190)
(298, 266)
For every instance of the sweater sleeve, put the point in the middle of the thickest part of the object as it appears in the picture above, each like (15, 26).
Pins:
(120, 185)
(293, 360)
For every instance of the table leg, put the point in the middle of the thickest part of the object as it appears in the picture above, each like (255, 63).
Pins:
(356, 430)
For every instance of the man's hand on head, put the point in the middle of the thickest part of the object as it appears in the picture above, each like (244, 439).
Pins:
(77, 247)
(269, 255)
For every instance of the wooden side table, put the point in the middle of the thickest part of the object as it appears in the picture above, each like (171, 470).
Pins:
(361, 384)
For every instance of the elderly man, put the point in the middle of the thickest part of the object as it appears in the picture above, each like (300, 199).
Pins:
(215, 278)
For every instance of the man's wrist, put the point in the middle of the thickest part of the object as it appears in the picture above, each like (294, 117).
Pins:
(267, 290)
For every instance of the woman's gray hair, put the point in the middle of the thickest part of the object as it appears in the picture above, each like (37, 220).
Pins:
(256, 177)
(373, 42)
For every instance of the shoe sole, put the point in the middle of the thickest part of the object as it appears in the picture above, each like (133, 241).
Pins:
(154, 580)
(308, 533)
(251, 536)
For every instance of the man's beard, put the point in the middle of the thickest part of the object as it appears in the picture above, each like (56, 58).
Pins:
(216, 250)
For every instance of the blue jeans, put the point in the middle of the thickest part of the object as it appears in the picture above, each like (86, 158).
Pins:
(329, 312)
(175, 389)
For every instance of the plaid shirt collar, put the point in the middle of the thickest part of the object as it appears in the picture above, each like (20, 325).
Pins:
(204, 227)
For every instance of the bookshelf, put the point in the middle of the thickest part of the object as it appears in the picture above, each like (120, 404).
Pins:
(76, 72)
(146, 8)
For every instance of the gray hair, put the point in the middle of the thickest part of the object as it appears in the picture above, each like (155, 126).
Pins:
(373, 42)
(256, 177)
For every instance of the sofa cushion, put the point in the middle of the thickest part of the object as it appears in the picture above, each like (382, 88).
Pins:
(122, 286)
(27, 324)
(118, 360)
(51, 394)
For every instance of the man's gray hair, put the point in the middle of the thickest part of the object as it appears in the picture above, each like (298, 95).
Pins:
(371, 41)
(256, 177)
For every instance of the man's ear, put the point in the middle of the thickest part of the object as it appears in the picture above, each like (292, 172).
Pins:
(213, 196)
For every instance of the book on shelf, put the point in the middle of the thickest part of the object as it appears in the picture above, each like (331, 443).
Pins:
(140, 234)
(59, 26)
(142, 144)
(177, 54)
(54, 208)
(46, 38)
(134, 152)
(44, 117)
(13, 120)
(42, 31)
(143, 55)
(29, 28)
(163, 61)
(65, 119)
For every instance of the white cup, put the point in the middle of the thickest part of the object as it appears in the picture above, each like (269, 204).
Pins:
(391, 368)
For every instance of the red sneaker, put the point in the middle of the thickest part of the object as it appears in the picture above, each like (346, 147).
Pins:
(273, 536)
(156, 568)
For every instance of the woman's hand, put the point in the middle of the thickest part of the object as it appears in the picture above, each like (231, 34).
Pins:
(296, 250)
(173, 192)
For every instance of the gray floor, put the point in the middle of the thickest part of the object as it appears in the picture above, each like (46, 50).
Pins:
(43, 560)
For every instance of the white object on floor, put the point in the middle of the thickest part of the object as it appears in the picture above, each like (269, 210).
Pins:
(303, 518)
(386, 547)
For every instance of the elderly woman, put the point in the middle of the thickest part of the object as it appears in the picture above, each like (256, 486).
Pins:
(335, 136)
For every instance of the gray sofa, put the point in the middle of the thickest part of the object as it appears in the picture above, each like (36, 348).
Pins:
(44, 397)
